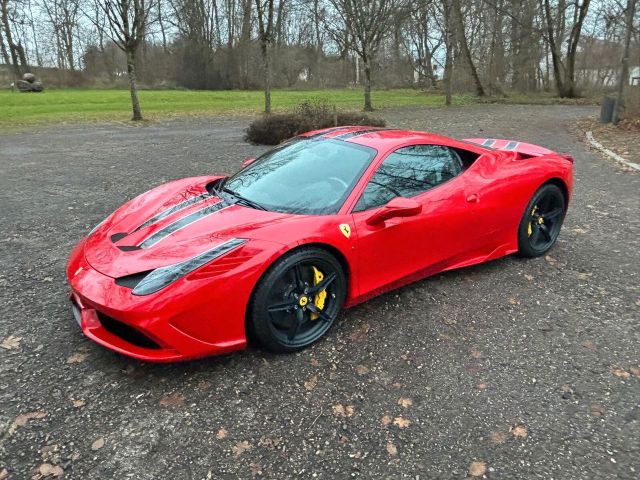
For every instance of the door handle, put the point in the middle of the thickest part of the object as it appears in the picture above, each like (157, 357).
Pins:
(473, 198)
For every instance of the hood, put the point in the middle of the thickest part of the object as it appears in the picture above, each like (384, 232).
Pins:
(169, 224)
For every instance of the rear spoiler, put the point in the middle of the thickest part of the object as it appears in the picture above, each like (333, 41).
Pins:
(524, 149)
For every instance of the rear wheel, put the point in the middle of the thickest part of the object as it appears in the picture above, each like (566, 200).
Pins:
(297, 300)
(542, 220)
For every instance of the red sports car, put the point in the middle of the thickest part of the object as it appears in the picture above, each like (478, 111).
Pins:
(322, 222)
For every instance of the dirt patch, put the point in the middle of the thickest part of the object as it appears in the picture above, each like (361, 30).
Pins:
(623, 139)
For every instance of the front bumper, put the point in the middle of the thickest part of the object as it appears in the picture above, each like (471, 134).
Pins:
(183, 321)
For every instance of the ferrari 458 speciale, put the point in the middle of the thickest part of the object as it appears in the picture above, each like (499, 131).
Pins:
(326, 220)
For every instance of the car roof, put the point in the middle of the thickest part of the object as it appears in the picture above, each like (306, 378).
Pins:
(388, 138)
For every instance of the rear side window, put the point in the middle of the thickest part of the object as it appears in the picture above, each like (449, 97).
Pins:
(410, 171)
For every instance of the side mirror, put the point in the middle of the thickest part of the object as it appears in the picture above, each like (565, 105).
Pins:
(397, 207)
(248, 161)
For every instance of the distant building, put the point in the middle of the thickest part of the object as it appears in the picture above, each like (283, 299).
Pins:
(634, 75)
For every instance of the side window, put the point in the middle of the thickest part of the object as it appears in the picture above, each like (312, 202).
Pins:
(410, 171)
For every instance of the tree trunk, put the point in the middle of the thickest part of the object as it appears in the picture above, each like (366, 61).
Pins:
(459, 24)
(133, 87)
(448, 61)
(266, 61)
(3, 50)
(624, 67)
(13, 48)
(367, 84)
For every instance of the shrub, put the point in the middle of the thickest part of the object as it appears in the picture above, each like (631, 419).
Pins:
(310, 115)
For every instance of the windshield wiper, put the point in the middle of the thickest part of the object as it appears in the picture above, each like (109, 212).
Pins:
(244, 200)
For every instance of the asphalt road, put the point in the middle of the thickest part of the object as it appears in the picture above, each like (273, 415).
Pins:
(527, 367)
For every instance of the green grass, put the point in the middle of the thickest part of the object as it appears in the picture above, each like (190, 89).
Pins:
(72, 105)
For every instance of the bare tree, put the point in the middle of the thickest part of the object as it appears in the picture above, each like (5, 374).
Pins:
(265, 29)
(368, 22)
(128, 21)
(16, 50)
(564, 67)
(624, 64)
(458, 23)
(63, 16)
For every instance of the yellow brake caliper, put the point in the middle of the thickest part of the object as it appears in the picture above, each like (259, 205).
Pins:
(529, 228)
(320, 297)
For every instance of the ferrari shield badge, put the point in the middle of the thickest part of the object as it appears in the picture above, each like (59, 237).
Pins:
(345, 229)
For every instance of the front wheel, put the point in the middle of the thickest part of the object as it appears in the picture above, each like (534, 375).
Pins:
(297, 300)
(541, 222)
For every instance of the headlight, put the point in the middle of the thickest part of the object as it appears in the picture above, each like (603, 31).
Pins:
(163, 276)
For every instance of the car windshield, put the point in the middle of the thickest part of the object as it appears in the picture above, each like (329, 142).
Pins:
(305, 176)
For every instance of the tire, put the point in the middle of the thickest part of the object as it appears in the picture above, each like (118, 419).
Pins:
(541, 221)
(282, 306)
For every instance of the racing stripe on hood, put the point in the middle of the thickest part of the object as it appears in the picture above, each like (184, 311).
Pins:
(171, 210)
(181, 223)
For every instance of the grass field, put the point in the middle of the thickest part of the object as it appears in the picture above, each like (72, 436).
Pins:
(91, 105)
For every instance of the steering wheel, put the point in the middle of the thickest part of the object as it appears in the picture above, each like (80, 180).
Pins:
(339, 181)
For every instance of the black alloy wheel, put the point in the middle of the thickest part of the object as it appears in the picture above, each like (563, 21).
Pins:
(297, 300)
(542, 221)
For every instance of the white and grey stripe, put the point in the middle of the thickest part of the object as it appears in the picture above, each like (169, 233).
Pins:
(171, 210)
(181, 223)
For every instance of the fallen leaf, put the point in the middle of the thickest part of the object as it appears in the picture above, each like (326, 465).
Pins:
(584, 275)
(78, 403)
(396, 385)
(498, 437)
(597, 410)
(344, 439)
(97, 444)
(405, 402)
(78, 357)
(528, 277)
(579, 230)
(270, 442)
(314, 362)
(635, 371)
(392, 449)
(619, 372)
(4, 473)
(340, 410)
(401, 422)
(173, 400)
(477, 469)
(359, 334)
(256, 469)
(449, 321)
(551, 260)
(11, 342)
(203, 385)
(362, 369)
(22, 419)
(519, 431)
(386, 420)
(48, 470)
(240, 447)
(311, 383)
(222, 433)
(481, 386)
(475, 353)
(513, 301)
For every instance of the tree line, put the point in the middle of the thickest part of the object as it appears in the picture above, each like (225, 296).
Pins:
(487, 47)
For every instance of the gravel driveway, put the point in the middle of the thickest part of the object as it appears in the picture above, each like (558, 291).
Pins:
(517, 368)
